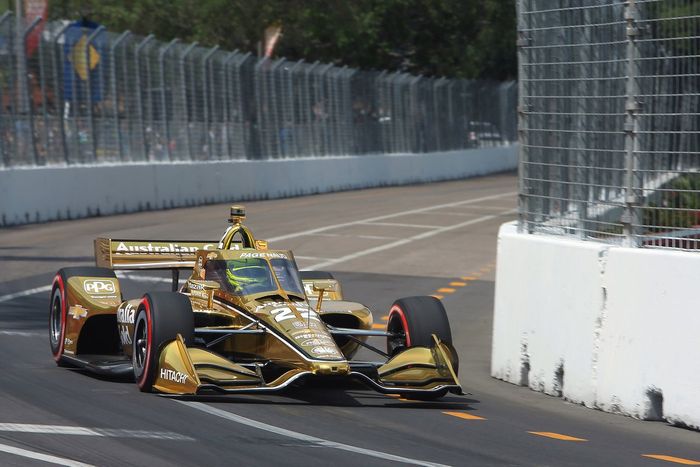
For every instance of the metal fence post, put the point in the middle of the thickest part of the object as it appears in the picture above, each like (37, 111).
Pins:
(5, 157)
(293, 113)
(139, 98)
(164, 105)
(186, 112)
(228, 98)
(630, 215)
(115, 94)
(27, 98)
(91, 119)
(205, 95)
(523, 80)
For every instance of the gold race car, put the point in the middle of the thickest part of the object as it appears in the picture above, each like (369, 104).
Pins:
(246, 320)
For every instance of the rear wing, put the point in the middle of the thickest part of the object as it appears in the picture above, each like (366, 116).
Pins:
(145, 254)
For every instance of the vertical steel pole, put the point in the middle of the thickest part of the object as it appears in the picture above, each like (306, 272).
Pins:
(139, 98)
(186, 110)
(630, 217)
(27, 97)
(205, 95)
(293, 110)
(60, 104)
(228, 98)
(91, 118)
(310, 126)
(3, 150)
(115, 94)
(524, 215)
(163, 103)
(259, 89)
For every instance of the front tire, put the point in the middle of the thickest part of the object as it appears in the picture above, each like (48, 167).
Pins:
(161, 316)
(413, 321)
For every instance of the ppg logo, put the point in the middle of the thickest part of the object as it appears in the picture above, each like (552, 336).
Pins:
(97, 287)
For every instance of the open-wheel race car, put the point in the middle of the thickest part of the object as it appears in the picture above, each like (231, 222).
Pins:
(246, 320)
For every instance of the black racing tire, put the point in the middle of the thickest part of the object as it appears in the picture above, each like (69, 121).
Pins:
(58, 305)
(312, 275)
(414, 320)
(160, 317)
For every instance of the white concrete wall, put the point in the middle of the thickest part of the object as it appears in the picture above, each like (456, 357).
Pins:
(50, 193)
(622, 323)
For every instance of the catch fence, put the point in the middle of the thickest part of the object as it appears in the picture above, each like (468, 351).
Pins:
(609, 116)
(83, 95)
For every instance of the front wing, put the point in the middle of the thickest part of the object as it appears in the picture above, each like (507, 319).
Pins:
(416, 370)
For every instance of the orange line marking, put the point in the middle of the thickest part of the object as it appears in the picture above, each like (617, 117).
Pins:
(549, 434)
(384, 318)
(677, 460)
(458, 284)
(378, 326)
(468, 278)
(439, 297)
(465, 416)
(445, 290)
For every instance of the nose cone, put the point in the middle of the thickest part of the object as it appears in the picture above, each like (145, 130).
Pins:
(331, 368)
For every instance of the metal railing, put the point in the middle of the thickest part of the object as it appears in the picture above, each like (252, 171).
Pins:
(86, 96)
(609, 116)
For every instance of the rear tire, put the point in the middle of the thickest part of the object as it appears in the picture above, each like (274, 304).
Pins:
(58, 306)
(161, 316)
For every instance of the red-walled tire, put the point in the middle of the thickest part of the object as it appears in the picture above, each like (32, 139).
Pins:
(413, 321)
(58, 307)
(161, 316)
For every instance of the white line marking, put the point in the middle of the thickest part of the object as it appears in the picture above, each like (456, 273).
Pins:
(42, 457)
(389, 216)
(406, 240)
(396, 224)
(21, 333)
(24, 293)
(317, 442)
(82, 431)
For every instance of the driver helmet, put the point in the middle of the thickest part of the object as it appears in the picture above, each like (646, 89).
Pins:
(250, 278)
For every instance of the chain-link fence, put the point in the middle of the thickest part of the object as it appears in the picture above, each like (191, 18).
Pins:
(86, 95)
(609, 114)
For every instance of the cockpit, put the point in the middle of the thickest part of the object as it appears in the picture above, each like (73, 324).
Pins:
(255, 275)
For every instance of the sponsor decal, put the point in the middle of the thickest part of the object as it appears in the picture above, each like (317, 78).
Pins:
(311, 342)
(271, 254)
(310, 335)
(299, 324)
(212, 255)
(77, 312)
(325, 350)
(67, 341)
(124, 249)
(126, 313)
(174, 376)
(124, 335)
(99, 286)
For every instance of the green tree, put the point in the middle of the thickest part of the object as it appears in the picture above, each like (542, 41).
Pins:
(456, 38)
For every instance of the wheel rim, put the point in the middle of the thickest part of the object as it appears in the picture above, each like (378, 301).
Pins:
(140, 349)
(396, 341)
(55, 320)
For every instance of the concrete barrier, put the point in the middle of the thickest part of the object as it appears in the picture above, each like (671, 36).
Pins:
(608, 327)
(50, 193)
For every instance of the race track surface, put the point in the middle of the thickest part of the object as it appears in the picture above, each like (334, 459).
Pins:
(382, 244)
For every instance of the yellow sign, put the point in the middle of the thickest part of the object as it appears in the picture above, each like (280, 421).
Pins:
(78, 58)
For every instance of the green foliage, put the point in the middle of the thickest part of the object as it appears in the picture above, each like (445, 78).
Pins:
(679, 205)
(456, 38)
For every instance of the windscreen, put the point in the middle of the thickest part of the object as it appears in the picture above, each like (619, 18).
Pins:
(247, 276)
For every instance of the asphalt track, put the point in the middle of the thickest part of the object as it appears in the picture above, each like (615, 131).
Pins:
(382, 244)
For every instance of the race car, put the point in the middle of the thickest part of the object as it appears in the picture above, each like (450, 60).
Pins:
(246, 320)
